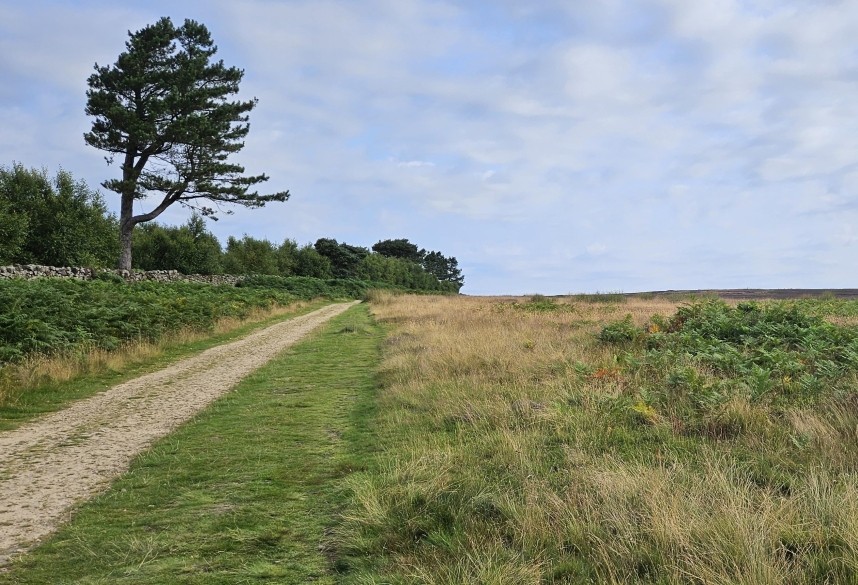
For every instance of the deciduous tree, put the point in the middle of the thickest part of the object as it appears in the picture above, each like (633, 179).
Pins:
(190, 249)
(250, 256)
(55, 221)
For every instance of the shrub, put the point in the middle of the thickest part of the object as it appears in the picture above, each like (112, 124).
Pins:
(709, 354)
(48, 316)
(620, 331)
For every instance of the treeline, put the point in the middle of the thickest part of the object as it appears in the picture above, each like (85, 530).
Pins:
(192, 249)
(61, 222)
(54, 221)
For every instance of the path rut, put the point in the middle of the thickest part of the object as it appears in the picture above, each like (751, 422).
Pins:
(57, 461)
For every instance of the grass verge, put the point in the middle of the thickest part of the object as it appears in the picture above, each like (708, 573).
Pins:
(46, 384)
(248, 492)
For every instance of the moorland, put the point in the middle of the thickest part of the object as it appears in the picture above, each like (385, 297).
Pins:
(579, 439)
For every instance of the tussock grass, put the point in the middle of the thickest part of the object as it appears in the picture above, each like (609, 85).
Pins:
(380, 296)
(520, 448)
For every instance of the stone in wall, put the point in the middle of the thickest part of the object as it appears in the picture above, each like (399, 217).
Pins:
(30, 271)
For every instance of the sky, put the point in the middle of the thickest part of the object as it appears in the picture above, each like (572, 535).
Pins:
(551, 146)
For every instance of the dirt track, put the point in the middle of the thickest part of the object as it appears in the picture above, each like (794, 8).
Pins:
(49, 465)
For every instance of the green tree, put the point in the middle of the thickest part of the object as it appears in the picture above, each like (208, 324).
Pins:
(308, 262)
(400, 248)
(344, 258)
(163, 110)
(444, 269)
(190, 249)
(250, 256)
(206, 254)
(13, 232)
(378, 268)
(54, 221)
(287, 257)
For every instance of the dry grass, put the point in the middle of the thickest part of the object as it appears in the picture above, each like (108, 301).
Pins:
(842, 320)
(515, 453)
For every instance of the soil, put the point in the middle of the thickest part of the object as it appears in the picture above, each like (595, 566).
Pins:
(52, 464)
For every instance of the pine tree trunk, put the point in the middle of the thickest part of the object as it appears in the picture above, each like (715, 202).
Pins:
(125, 247)
(126, 226)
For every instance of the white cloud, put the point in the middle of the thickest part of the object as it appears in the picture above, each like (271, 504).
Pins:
(596, 249)
(415, 164)
(705, 141)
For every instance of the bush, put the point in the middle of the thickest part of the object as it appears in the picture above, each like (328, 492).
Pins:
(47, 316)
(305, 287)
(620, 332)
(709, 355)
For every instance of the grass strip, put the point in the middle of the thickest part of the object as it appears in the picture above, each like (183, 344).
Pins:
(53, 395)
(247, 492)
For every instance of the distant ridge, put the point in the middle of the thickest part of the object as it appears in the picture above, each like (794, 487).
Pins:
(759, 293)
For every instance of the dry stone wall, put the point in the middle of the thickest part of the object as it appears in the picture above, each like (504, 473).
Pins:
(29, 271)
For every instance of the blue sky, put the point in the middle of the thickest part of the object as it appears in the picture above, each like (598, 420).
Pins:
(551, 146)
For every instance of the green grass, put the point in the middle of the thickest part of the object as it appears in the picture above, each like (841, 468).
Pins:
(21, 405)
(248, 492)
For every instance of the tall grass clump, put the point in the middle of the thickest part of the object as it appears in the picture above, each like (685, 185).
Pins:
(524, 445)
(603, 297)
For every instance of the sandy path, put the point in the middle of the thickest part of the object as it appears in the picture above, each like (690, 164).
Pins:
(49, 465)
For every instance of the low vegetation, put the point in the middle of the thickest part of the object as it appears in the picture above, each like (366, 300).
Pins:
(721, 370)
(351, 288)
(54, 330)
(568, 441)
(509, 441)
(61, 316)
(247, 492)
(51, 316)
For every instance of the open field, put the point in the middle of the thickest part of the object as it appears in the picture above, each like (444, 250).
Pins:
(522, 442)
(585, 439)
